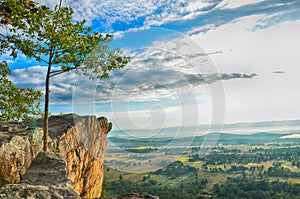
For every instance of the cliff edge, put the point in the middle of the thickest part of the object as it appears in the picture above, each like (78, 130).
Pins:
(80, 139)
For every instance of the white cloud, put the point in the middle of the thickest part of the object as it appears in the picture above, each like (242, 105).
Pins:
(167, 72)
(269, 96)
(295, 136)
(229, 4)
(152, 117)
(50, 3)
(34, 77)
(131, 15)
(277, 18)
(242, 50)
(153, 12)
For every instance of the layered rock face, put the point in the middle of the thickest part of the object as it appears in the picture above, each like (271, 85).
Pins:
(19, 145)
(81, 140)
(45, 178)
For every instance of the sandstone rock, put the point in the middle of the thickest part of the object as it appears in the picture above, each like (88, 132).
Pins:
(80, 139)
(19, 145)
(45, 178)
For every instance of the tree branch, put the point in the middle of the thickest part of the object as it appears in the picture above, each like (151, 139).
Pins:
(58, 72)
(41, 59)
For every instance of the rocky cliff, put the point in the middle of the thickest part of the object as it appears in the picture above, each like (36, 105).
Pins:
(80, 139)
(19, 145)
(45, 178)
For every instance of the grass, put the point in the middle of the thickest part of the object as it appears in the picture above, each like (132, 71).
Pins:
(182, 159)
(216, 178)
(259, 147)
(289, 180)
(286, 164)
(113, 175)
(143, 147)
(251, 164)
(197, 165)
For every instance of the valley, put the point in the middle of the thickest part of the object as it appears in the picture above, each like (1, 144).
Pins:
(261, 165)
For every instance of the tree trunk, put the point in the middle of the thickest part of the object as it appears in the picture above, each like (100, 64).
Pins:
(46, 116)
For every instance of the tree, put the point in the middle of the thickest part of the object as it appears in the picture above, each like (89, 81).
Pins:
(17, 103)
(52, 37)
(120, 177)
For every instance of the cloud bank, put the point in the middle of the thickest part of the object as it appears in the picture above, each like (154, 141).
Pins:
(119, 16)
(292, 136)
(146, 84)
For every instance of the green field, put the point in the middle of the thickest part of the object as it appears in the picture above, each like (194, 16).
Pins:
(267, 168)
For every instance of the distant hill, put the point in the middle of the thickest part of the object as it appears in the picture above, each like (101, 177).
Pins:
(259, 138)
(289, 126)
(245, 139)
(264, 124)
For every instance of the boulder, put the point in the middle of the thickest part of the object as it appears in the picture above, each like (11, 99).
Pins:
(80, 139)
(45, 178)
(19, 145)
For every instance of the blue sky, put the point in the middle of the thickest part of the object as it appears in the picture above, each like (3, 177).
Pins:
(193, 62)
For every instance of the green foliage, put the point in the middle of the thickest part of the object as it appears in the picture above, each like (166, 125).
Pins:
(187, 189)
(120, 177)
(255, 156)
(52, 37)
(176, 169)
(278, 171)
(234, 171)
(55, 150)
(17, 103)
(246, 188)
(104, 193)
